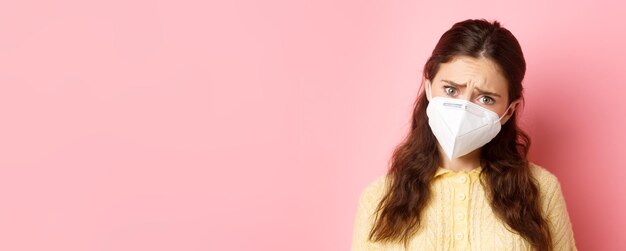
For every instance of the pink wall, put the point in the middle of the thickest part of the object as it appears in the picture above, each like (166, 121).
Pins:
(254, 125)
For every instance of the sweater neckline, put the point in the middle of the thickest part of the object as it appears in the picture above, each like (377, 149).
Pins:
(442, 171)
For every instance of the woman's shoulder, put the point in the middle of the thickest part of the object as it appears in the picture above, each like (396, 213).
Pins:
(375, 189)
(542, 175)
(548, 184)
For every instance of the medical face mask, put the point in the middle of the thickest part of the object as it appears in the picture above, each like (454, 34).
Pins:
(461, 126)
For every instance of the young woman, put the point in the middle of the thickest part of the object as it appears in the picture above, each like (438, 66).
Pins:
(461, 179)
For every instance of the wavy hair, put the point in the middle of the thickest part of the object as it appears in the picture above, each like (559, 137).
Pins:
(512, 192)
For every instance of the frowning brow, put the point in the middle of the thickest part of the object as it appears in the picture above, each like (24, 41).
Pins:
(479, 90)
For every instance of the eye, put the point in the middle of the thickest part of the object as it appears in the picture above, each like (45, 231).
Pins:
(450, 91)
(487, 100)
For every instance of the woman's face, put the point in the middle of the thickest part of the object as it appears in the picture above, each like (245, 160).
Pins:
(474, 79)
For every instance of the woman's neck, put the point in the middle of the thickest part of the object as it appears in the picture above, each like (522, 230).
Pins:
(466, 162)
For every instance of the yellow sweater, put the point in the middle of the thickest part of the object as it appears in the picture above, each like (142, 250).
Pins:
(459, 216)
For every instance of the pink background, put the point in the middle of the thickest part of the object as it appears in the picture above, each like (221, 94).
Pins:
(254, 125)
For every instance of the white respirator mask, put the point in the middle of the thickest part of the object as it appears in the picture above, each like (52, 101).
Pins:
(459, 125)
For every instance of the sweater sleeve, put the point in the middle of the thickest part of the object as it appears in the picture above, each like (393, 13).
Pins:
(558, 217)
(364, 219)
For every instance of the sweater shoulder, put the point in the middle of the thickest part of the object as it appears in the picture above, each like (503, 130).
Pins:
(542, 175)
(375, 189)
(548, 184)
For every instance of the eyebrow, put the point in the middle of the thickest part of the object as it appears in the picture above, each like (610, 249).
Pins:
(479, 90)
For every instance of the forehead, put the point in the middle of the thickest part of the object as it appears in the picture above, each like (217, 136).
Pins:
(479, 72)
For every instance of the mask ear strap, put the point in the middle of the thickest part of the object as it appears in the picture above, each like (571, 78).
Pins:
(507, 110)
(427, 89)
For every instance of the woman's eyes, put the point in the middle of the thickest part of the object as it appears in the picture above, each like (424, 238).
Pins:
(452, 91)
(487, 100)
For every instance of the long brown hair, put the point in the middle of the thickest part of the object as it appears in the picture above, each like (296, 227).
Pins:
(512, 191)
